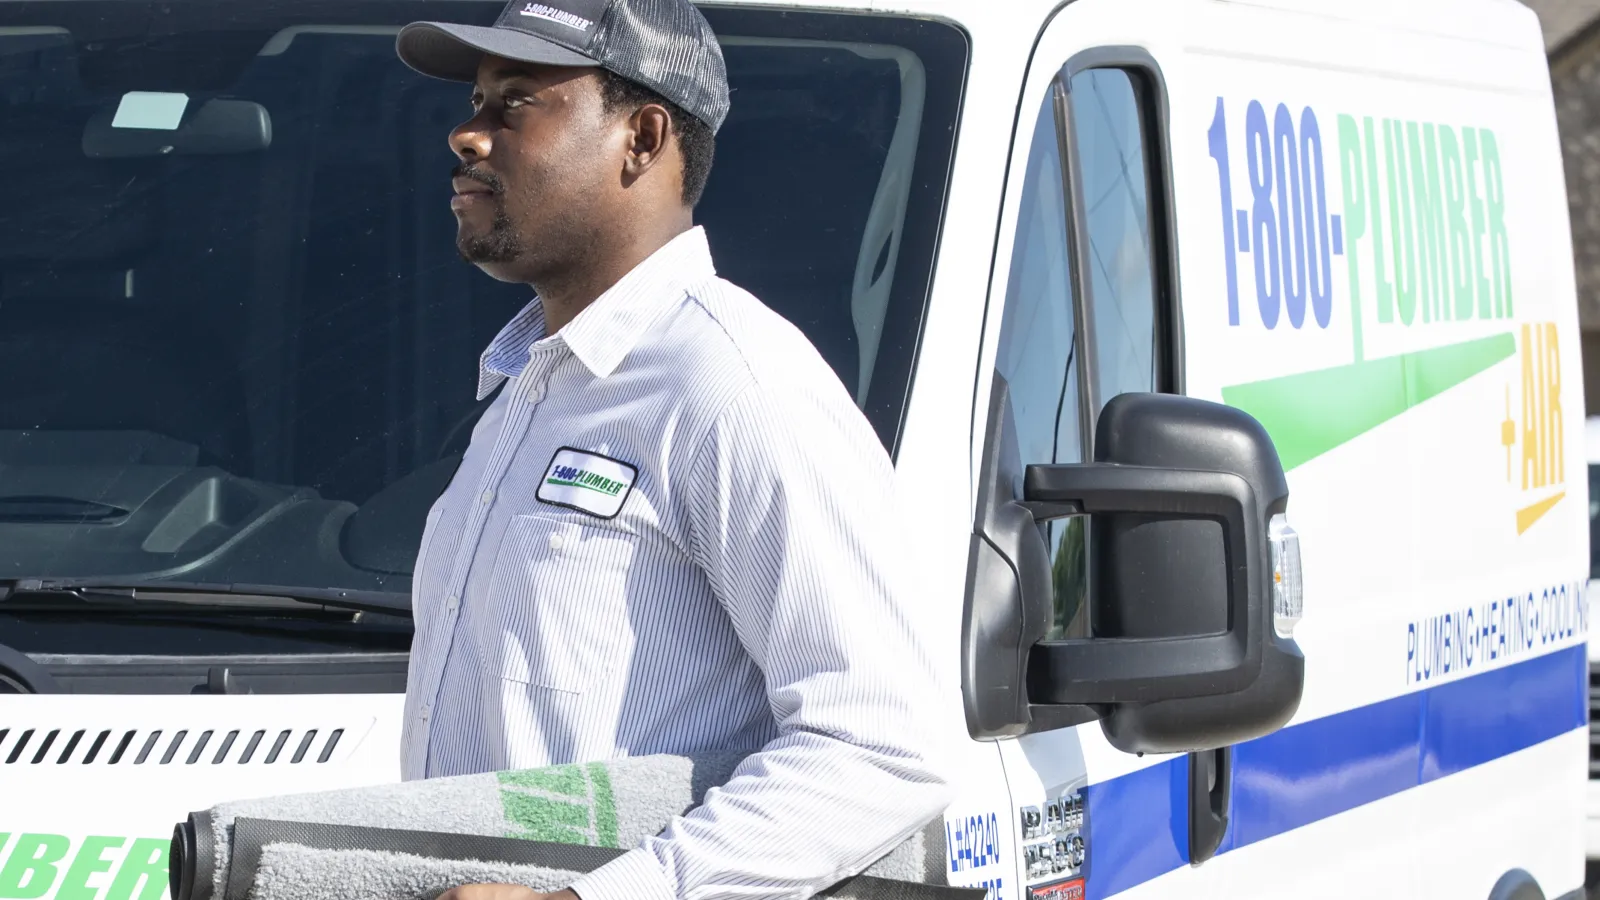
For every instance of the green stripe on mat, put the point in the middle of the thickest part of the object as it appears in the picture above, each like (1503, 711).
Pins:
(568, 780)
(605, 806)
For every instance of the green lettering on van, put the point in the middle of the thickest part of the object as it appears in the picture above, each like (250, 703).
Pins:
(1469, 146)
(1385, 291)
(1459, 240)
(33, 866)
(89, 860)
(1444, 234)
(143, 873)
(1423, 153)
(1405, 266)
(1499, 242)
(1355, 215)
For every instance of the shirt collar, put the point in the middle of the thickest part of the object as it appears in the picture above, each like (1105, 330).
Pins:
(602, 334)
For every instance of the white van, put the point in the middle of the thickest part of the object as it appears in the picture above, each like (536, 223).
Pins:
(1592, 455)
(239, 356)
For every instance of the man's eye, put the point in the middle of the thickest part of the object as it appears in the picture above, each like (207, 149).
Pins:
(512, 101)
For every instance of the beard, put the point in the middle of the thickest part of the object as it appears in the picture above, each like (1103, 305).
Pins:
(503, 243)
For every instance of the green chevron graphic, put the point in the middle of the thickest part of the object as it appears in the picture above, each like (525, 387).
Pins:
(1309, 413)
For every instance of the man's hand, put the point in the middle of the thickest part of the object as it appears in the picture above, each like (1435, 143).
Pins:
(502, 892)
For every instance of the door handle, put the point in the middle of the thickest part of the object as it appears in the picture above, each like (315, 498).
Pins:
(1210, 796)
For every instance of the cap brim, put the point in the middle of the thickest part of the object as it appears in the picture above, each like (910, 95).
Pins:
(453, 52)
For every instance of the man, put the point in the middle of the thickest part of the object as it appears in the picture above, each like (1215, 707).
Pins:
(673, 530)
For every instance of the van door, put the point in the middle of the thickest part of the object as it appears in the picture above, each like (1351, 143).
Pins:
(1084, 307)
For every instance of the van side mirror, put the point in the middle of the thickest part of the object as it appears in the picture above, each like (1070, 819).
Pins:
(1185, 539)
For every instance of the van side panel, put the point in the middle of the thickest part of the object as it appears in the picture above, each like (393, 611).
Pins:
(1377, 264)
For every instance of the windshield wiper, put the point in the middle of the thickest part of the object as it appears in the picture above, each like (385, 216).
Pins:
(182, 594)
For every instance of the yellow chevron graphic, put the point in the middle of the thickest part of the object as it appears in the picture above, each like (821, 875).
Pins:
(1528, 515)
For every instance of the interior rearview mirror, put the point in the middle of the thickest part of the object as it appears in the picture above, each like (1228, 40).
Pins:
(214, 127)
(1189, 642)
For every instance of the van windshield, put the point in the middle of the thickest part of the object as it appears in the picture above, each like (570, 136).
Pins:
(236, 343)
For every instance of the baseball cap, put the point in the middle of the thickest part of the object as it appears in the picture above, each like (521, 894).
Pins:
(664, 45)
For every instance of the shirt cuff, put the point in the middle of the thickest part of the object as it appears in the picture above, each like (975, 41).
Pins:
(635, 875)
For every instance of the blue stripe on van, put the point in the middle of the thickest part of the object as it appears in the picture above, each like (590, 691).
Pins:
(1138, 827)
(1138, 823)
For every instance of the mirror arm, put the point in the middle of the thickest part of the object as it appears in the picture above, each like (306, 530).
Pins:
(1087, 488)
(1045, 511)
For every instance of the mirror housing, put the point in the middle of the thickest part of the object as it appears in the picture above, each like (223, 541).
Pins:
(215, 127)
(1184, 654)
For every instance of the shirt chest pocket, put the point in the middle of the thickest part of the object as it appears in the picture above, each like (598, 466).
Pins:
(558, 602)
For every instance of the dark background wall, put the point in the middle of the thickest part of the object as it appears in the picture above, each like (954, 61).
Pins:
(1572, 38)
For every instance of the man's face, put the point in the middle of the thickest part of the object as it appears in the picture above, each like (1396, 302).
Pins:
(536, 169)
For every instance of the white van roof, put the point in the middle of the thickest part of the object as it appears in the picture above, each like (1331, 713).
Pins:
(1506, 23)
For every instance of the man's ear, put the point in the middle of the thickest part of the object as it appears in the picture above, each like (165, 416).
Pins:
(651, 126)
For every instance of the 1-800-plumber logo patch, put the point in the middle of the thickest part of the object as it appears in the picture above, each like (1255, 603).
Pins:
(587, 482)
(559, 16)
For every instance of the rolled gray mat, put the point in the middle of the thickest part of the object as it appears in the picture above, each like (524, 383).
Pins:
(403, 841)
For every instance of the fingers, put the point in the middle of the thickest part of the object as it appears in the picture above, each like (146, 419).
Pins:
(490, 892)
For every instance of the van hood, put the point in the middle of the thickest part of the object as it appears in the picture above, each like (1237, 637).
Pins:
(95, 785)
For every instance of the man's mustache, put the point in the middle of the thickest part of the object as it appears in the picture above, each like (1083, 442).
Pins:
(487, 179)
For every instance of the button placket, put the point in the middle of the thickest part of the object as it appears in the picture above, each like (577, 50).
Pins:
(513, 429)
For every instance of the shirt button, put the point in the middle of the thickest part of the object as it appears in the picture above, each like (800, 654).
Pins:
(426, 712)
(488, 496)
(557, 541)
(453, 603)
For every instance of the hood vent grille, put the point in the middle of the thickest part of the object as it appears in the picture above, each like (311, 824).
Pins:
(141, 747)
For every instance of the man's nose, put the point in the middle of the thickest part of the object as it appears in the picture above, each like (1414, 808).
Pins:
(470, 140)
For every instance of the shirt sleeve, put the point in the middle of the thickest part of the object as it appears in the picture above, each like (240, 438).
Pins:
(793, 522)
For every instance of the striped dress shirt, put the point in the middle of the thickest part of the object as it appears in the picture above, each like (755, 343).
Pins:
(672, 532)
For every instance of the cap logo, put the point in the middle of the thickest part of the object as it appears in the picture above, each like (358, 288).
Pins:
(559, 16)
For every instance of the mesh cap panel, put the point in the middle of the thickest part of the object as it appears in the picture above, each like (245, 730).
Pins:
(667, 46)
(664, 45)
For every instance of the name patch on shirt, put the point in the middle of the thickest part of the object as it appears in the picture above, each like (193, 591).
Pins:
(587, 482)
